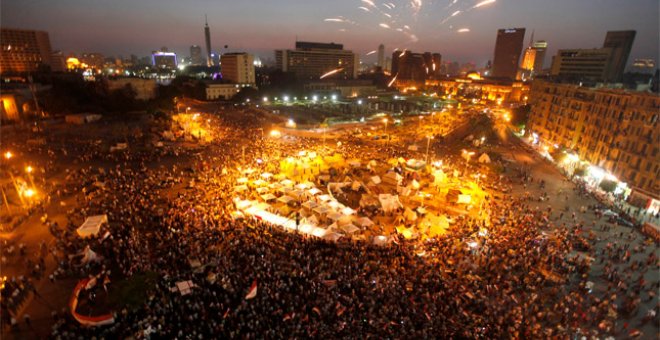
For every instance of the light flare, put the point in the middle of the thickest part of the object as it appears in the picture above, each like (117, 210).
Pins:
(372, 52)
(327, 74)
(483, 3)
(392, 81)
(384, 25)
(463, 30)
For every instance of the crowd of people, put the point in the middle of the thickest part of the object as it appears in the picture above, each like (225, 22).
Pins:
(521, 278)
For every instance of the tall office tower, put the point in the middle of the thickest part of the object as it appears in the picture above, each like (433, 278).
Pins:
(196, 55)
(621, 43)
(381, 56)
(164, 60)
(207, 38)
(508, 47)
(23, 50)
(415, 66)
(310, 60)
(540, 46)
(238, 68)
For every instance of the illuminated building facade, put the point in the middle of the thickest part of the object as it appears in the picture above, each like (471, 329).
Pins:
(311, 60)
(614, 130)
(581, 64)
(508, 48)
(23, 51)
(644, 65)
(533, 59)
(164, 60)
(238, 68)
(479, 88)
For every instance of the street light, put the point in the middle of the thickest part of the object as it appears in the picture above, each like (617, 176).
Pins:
(428, 144)
(187, 109)
(28, 169)
(28, 193)
(8, 155)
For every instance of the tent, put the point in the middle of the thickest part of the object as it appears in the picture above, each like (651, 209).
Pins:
(324, 198)
(392, 178)
(412, 147)
(287, 183)
(242, 180)
(364, 222)
(439, 177)
(335, 216)
(285, 199)
(89, 256)
(414, 184)
(464, 199)
(92, 225)
(262, 191)
(259, 183)
(484, 158)
(354, 163)
(240, 188)
(314, 191)
(347, 211)
(376, 180)
(350, 229)
(380, 240)
(266, 175)
(269, 197)
(389, 202)
(312, 220)
(415, 164)
(356, 186)
(309, 205)
(410, 215)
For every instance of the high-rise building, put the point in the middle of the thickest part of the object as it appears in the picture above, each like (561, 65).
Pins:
(621, 43)
(532, 62)
(381, 56)
(581, 64)
(508, 47)
(57, 61)
(23, 50)
(207, 39)
(164, 60)
(541, 46)
(614, 130)
(196, 55)
(311, 60)
(415, 66)
(238, 68)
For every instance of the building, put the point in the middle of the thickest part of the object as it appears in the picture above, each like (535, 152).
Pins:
(207, 40)
(473, 86)
(381, 56)
(238, 68)
(164, 60)
(615, 131)
(508, 47)
(345, 88)
(145, 89)
(311, 60)
(222, 91)
(533, 59)
(58, 62)
(23, 51)
(93, 60)
(196, 55)
(581, 64)
(643, 65)
(621, 43)
(413, 69)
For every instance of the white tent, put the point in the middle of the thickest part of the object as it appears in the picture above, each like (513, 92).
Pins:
(392, 178)
(314, 191)
(240, 188)
(92, 225)
(389, 202)
(263, 190)
(335, 216)
(376, 180)
(324, 198)
(266, 175)
(349, 228)
(347, 211)
(364, 222)
(268, 197)
(259, 183)
(484, 158)
(89, 256)
(242, 180)
(310, 205)
(380, 240)
(414, 184)
(464, 199)
(285, 199)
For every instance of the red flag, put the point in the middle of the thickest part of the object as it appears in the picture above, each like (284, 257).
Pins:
(289, 316)
(317, 311)
(224, 316)
(253, 291)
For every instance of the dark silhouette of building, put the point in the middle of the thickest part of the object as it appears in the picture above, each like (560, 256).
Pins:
(621, 43)
(407, 65)
(207, 38)
(381, 56)
(196, 55)
(508, 47)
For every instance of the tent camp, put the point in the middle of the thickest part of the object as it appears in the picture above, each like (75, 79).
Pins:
(92, 225)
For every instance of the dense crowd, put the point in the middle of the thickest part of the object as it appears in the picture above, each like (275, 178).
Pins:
(522, 278)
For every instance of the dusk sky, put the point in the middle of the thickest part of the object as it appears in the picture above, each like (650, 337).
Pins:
(124, 27)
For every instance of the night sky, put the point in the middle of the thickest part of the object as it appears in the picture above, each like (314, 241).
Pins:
(124, 27)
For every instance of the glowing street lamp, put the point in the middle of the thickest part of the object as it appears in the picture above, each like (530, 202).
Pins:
(290, 123)
(8, 155)
(286, 98)
(275, 134)
(29, 169)
(265, 99)
(28, 193)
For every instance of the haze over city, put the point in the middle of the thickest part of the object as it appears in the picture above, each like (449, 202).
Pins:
(125, 27)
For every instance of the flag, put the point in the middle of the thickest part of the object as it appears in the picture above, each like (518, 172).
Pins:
(289, 316)
(224, 316)
(317, 310)
(253, 291)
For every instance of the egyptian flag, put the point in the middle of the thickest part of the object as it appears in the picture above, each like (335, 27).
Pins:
(253, 290)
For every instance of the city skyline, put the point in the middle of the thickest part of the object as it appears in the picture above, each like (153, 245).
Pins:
(460, 30)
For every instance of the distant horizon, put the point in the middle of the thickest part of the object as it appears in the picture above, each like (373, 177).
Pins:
(461, 31)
